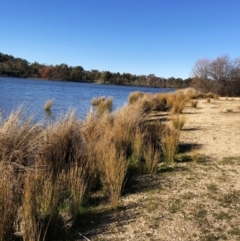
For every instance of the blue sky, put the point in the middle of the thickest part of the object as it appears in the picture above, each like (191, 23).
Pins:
(161, 37)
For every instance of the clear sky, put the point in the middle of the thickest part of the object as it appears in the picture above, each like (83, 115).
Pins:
(161, 37)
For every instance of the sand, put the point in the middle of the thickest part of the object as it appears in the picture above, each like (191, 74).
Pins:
(214, 128)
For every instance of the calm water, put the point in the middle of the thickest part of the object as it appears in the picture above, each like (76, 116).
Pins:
(67, 95)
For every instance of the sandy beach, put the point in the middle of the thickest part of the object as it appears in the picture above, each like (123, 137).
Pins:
(214, 127)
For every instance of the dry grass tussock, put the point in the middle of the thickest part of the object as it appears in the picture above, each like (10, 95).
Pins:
(189, 92)
(41, 168)
(10, 199)
(48, 105)
(177, 102)
(102, 105)
(178, 121)
(113, 152)
(149, 102)
(48, 170)
(134, 96)
(152, 133)
(169, 144)
(194, 103)
(19, 140)
(121, 141)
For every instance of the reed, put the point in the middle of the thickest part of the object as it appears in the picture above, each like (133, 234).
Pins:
(48, 105)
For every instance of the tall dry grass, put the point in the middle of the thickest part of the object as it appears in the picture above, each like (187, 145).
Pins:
(112, 166)
(118, 139)
(102, 105)
(169, 144)
(96, 101)
(44, 168)
(65, 154)
(115, 149)
(152, 134)
(135, 96)
(149, 102)
(10, 200)
(178, 121)
(161, 97)
(36, 211)
(41, 168)
(194, 103)
(152, 158)
(48, 105)
(177, 102)
(137, 145)
(18, 148)
(19, 139)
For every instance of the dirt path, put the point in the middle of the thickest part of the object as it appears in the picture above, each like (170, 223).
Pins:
(192, 200)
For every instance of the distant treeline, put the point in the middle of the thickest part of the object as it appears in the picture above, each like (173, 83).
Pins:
(18, 67)
(221, 76)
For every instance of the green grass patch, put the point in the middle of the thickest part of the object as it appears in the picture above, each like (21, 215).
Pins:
(231, 160)
(176, 206)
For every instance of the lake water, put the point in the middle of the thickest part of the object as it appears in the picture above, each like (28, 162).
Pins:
(34, 93)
